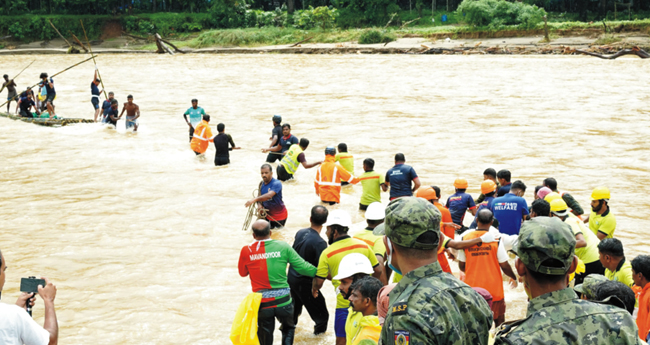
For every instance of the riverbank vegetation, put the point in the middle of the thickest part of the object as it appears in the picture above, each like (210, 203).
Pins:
(250, 22)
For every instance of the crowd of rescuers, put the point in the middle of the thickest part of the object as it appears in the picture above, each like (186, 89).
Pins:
(393, 280)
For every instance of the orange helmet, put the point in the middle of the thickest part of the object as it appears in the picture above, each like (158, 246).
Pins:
(460, 183)
(488, 186)
(426, 193)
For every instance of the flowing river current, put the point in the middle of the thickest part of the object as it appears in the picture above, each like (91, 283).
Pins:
(142, 238)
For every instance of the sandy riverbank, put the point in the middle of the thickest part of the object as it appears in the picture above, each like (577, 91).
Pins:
(511, 45)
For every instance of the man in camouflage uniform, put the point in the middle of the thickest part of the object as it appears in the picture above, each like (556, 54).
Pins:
(546, 255)
(428, 306)
(588, 287)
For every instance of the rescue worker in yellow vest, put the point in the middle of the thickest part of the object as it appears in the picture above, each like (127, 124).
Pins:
(329, 176)
(202, 136)
(362, 325)
(292, 160)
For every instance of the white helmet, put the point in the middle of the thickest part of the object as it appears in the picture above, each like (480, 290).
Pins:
(339, 217)
(376, 211)
(352, 264)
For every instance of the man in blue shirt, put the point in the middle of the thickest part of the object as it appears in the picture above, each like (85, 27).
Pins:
(95, 92)
(399, 178)
(196, 115)
(459, 202)
(285, 142)
(271, 198)
(504, 180)
(511, 209)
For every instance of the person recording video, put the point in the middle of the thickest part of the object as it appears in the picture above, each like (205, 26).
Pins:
(17, 326)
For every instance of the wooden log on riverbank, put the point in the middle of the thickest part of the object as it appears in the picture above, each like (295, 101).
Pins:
(162, 48)
(634, 51)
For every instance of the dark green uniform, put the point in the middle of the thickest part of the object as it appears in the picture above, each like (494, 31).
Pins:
(572, 203)
(547, 246)
(429, 306)
(559, 317)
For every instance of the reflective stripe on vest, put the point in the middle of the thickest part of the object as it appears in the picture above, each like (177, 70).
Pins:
(290, 160)
(200, 137)
(325, 183)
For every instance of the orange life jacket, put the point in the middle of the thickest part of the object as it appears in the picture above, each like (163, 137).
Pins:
(328, 180)
(482, 266)
(202, 137)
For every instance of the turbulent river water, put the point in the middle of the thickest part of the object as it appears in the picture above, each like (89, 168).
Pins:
(142, 238)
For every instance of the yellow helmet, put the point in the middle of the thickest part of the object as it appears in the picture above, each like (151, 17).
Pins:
(559, 207)
(552, 196)
(600, 193)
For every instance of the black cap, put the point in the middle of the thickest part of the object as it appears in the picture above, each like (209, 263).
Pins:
(277, 118)
(330, 150)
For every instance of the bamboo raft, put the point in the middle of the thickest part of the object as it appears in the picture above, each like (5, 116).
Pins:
(45, 121)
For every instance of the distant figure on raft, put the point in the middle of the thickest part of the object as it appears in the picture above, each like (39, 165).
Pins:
(11, 90)
(51, 94)
(95, 92)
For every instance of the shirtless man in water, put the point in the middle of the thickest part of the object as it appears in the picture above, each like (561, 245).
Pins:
(132, 113)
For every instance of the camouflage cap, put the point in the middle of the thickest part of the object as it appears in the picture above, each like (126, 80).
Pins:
(542, 239)
(409, 217)
(589, 284)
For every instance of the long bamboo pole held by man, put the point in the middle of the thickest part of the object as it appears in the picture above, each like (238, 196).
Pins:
(91, 54)
(19, 73)
(75, 65)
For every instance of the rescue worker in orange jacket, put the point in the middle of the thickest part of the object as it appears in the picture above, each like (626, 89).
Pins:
(329, 176)
(202, 136)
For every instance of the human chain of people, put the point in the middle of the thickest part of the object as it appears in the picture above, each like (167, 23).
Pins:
(393, 280)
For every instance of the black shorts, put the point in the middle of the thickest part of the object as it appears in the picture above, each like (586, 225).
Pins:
(191, 133)
(221, 160)
(282, 173)
(363, 207)
(273, 156)
(95, 102)
(49, 99)
(25, 113)
(331, 203)
(277, 223)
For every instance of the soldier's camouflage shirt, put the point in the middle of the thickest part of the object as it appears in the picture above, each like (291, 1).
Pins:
(429, 306)
(559, 317)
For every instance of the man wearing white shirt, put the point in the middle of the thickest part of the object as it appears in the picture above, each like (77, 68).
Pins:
(17, 327)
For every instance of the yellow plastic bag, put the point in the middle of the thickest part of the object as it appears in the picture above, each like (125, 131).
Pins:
(244, 327)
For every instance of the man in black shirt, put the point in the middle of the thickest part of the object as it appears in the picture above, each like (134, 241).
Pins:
(111, 114)
(276, 134)
(309, 245)
(25, 104)
(221, 141)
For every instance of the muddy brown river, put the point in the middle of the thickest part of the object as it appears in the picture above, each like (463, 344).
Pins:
(142, 238)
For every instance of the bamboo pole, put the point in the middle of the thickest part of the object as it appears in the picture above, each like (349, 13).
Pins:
(75, 65)
(95, 62)
(57, 31)
(19, 73)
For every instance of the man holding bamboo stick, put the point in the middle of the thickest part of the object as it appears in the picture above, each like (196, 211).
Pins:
(51, 93)
(94, 90)
(11, 90)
